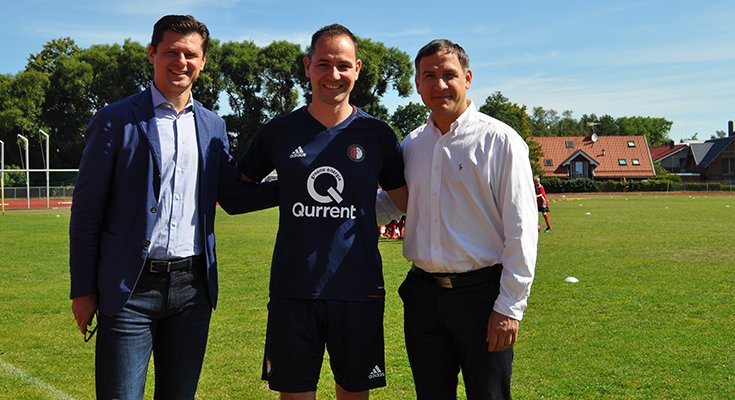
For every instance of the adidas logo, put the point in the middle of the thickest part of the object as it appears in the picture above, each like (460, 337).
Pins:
(298, 153)
(376, 373)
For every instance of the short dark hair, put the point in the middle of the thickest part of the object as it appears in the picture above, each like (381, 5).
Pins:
(450, 47)
(331, 30)
(183, 24)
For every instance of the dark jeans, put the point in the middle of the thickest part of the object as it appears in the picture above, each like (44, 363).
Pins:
(445, 332)
(168, 315)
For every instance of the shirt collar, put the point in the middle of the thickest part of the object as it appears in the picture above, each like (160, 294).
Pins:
(461, 120)
(159, 99)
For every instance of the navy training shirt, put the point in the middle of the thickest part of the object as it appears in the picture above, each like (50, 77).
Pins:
(327, 243)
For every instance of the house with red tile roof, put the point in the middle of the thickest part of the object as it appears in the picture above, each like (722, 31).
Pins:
(596, 157)
(672, 157)
(707, 160)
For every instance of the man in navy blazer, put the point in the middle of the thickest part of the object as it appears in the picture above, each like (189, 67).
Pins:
(142, 247)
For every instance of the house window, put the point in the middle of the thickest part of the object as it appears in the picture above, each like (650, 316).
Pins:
(631, 143)
(579, 170)
(728, 166)
(622, 161)
(548, 163)
(636, 161)
(569, 144)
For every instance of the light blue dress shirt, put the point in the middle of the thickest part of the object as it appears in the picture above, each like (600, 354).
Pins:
(176, 233)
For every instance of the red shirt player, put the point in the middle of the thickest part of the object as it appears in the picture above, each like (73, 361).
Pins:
(542, 201)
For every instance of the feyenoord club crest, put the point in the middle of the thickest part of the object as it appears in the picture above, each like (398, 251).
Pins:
(356, 153)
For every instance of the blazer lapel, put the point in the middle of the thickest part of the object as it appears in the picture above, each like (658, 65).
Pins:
(143, 112)
(203, 129)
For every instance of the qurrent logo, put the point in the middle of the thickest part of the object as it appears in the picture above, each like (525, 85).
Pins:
(332, 195)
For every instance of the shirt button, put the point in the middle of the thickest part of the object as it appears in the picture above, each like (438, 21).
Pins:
(154, 210)
(146, 243)
(177, 197)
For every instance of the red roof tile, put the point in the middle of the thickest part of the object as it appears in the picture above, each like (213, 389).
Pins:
(606, 151)
(660, 152)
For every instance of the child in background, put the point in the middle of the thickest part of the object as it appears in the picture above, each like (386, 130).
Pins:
(542, 201)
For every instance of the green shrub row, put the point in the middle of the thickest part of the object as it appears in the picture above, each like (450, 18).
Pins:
(586, 185)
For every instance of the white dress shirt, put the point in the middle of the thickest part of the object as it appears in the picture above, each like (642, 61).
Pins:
(176, 233)
(472, 203)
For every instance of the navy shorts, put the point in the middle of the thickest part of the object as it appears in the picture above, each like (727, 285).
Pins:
(299, 330)
(543, 209)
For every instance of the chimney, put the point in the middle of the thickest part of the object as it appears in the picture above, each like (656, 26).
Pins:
(729, 128)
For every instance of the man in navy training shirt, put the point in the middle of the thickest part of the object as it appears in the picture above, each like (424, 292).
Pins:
(326, 285)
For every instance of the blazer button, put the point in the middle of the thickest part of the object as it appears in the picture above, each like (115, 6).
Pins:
(154, 210)
(146, 243)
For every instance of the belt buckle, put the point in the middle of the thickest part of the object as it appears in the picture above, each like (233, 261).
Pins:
(155, 263)
(444, 281)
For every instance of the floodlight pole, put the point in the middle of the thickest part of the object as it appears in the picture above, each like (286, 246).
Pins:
(48, 166)
(28, 173)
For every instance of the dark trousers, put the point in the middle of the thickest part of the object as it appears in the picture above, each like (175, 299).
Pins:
(445, 332)
(167, 315)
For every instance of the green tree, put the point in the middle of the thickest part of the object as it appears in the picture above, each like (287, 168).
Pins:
(53, 51)
(211, 81)
(14, 179)
(543, 121)
(718, 134)
(407, 118)
(500, 107)
(68, 107)
(655, 129)
(382, 68)
(117, 71)
(607, 126)
(241, 68)
(280, 62)
(21, 108)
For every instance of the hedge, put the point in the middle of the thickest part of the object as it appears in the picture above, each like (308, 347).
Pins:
(586, 185)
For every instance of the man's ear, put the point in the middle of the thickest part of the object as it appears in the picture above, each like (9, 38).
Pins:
(468, 79)
(307, 63)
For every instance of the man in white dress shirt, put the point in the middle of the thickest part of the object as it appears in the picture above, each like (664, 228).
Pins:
(471, 233)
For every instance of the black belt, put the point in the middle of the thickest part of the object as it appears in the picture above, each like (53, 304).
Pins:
(458, 280)
(159, 266)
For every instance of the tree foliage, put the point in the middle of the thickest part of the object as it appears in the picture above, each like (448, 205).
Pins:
(548, 123)
(500, 107)
(21, 109)
(53, 51)
(407, 118)
(655, 129)
(62, 86)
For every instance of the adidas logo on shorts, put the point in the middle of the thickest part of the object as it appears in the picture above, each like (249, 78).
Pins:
(298, 153)
(376, 373)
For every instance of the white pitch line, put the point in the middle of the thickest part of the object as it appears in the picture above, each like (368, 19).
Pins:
(56, 393)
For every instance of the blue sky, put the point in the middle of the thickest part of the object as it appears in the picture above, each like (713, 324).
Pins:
(670, 59)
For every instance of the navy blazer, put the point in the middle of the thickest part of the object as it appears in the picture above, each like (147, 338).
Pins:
(116, 198)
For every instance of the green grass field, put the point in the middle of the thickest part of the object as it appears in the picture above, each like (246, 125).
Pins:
(652, 317)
